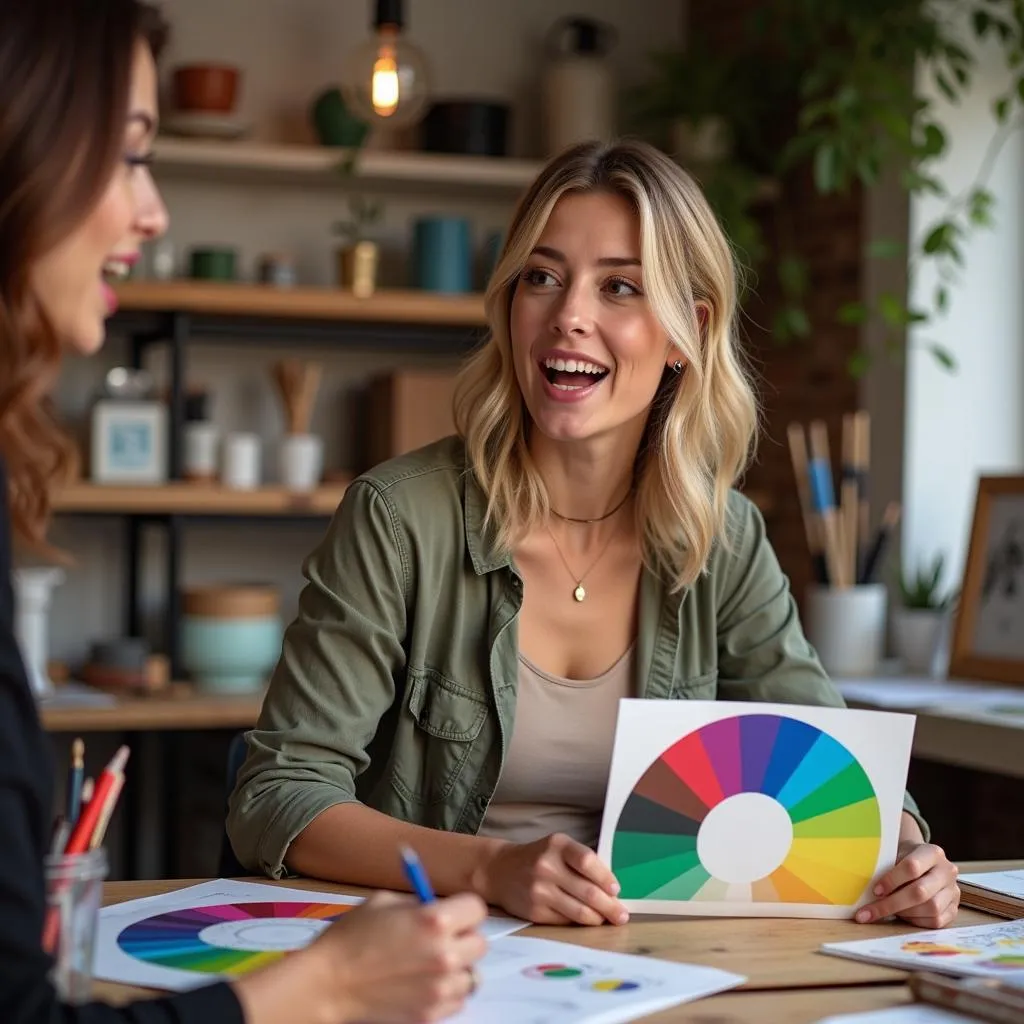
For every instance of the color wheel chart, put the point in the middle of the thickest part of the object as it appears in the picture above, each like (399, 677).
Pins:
(747, 809)
(229, 939)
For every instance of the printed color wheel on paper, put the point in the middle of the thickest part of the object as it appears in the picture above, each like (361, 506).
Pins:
(803, 807)
(229, 939)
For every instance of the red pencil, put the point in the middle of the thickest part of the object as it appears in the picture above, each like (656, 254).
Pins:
(112, 776)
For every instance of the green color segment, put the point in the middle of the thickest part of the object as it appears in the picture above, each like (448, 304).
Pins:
(859, 820)
(685, 887)
(213, 962)
(632, 848)
(641, 880)
(850, 786)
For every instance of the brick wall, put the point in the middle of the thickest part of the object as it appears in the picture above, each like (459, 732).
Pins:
(808, 379)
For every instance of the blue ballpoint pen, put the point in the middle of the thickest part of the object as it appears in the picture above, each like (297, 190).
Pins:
(417, 875)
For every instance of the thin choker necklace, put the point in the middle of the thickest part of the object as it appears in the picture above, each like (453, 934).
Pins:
(598, 519)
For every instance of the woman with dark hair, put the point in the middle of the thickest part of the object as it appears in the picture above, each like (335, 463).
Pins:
(77, 120)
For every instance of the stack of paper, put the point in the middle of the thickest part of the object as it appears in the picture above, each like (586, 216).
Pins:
(986, 950)
(995, 892)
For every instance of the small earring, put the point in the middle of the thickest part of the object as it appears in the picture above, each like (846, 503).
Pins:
(677, 366)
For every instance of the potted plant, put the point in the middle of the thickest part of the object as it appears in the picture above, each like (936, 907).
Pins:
(837, 91)
(693, 95)
(358, 257)
(920, 616)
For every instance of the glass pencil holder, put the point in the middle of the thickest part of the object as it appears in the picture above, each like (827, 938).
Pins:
(74, 893)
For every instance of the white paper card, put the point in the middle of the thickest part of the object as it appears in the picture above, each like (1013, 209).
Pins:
(753, 810)
(912, 1013)
(536, 981)
(985, 950)
(1005, 883)
(218, 930)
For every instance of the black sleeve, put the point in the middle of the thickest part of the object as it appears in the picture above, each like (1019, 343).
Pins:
(26, 995)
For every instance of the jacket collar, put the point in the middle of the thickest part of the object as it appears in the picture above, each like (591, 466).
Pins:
(484, 552)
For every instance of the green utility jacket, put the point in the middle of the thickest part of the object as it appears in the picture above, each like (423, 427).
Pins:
(397, 681)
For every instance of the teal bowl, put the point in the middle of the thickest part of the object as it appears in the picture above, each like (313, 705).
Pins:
(225, 655)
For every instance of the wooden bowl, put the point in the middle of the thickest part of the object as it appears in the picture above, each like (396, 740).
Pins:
(209, 88)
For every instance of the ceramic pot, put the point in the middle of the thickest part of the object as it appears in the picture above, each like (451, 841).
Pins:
(357, 268)
(846, 626)
(210, 88)
(231, 636)
(916, 635)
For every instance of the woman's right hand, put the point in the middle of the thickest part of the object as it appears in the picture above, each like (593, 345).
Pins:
(390, 960)
(554, 880)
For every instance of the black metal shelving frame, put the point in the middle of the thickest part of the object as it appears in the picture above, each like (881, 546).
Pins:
(178, 329)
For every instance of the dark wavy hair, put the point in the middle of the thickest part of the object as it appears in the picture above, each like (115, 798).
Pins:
(65, 78)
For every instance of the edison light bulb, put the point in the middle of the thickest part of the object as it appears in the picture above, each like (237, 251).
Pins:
(385, 80)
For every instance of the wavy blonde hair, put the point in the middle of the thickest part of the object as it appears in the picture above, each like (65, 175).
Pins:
(701, 428)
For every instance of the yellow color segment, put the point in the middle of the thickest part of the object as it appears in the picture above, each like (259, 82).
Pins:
(837, 885)
(858, 856)
(792, 889)
(257, 961)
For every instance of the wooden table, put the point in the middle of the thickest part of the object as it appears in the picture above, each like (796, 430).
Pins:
(788, 980)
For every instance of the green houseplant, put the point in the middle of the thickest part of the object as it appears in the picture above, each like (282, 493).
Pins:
(845, 81)
(919, 617)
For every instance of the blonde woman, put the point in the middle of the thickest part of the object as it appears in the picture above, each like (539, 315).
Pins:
(478, 608)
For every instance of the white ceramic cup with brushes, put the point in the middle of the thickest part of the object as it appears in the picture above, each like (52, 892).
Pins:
(302, 452)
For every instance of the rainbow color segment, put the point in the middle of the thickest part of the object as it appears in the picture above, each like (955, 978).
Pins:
(175, 939)
(821, 785)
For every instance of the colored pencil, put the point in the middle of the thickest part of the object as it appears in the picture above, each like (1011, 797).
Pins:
(823, 495)
(76, 775)
(85, 827)
(862, 433)
(848, 501)
(882, 537)
(812, 523)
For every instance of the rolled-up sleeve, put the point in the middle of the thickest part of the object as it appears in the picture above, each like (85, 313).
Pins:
(333, 682)
(763, 654)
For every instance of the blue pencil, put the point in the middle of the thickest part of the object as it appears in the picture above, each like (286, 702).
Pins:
(76, 774)
(417, 875)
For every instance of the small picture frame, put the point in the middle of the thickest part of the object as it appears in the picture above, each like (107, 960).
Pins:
(988, 633)
(129, 442)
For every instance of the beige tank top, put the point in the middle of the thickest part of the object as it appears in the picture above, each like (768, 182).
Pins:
(557, 764)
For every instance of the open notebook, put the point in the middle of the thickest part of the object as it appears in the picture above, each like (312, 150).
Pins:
(996, 892)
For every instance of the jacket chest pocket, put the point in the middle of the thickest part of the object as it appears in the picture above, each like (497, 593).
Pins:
(702, 687)
(436, 736)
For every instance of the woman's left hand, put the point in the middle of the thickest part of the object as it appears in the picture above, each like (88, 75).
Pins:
(920, 888)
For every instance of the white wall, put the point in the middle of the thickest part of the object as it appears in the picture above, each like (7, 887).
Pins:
(958, 426)
(291, 50)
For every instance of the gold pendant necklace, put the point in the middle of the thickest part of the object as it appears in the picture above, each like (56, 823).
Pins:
(580, 592)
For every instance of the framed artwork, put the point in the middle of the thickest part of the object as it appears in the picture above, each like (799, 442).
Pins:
(129, 442)
(988, 634)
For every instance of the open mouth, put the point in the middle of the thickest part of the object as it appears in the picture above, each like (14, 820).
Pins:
(573, 374)
(115, 271)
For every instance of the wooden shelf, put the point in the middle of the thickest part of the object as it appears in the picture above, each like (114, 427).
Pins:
(307, 303)
(196, 499)
(279, 163)
(182, 708)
